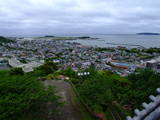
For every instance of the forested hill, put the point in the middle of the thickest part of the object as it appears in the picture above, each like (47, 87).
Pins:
(148, 33)
(5, 40)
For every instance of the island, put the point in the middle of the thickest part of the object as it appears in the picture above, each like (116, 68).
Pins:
(67, 37)
(147, 33)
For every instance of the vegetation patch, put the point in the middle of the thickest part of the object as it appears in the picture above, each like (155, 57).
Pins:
(24, 97)
(105, 49)
(103, 91)
(5, 40)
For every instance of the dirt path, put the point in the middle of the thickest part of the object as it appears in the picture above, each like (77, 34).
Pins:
(64, 90)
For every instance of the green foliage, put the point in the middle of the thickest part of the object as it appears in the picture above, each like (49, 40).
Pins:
(25, 98)
(103, 87)
(92, 70)
(23, 61)
(64, 38)
(48, 68)
(68, 72)
(93, 88)
(135, 50)
(140, 52)
(5, 40)
(70, 38)
(142, 83)
(105, 49)
(52, 58)
(96, 90)
(146, 57)
(152, 50)
(16, 71)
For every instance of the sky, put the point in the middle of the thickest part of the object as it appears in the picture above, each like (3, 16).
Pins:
(51, 17)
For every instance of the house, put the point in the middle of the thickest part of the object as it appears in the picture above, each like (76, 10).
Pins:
(154, 64)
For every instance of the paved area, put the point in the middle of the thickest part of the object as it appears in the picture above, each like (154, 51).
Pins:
(68, 111)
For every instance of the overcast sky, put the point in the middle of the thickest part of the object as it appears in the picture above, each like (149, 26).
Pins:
(50, 17)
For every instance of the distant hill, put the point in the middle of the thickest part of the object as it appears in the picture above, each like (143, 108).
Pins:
(49, 36)
(5, 40)
(148, 33)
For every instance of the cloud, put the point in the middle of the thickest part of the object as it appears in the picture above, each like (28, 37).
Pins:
(40, 17)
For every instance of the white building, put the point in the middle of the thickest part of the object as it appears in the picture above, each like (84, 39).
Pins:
(154, 64)
(13, 62)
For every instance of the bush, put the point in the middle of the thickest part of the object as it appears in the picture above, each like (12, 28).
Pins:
(5, 40)
(68, 72)
(26, 98)
(96, 90)
(16, 71)
(48, 67)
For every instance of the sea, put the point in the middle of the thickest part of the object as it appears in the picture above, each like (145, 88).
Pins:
(130, 41)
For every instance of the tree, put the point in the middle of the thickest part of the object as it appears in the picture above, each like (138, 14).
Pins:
(48, 67)
(5, 40)
(16, 71)
(103, 87)
(69, 72)
(96, 91)
(141, 84)
(26, 98)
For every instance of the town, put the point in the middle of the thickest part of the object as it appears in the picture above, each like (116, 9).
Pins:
(29, 53)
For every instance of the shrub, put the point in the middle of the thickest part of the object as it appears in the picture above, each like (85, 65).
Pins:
(48, 67)
(16, 71)
(26, 98)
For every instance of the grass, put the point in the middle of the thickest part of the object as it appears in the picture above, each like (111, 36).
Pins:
(83, 112)
(85, 115)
